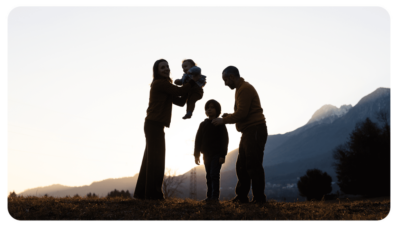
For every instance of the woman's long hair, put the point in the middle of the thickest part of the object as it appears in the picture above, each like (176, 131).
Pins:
(157, 75)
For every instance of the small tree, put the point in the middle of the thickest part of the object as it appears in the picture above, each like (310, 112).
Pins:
(12, 195)
(90, 195)
(128, 194)
(315, 184)
(171, 183)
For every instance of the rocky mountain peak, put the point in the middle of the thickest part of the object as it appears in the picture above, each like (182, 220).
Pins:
(329, 111)
(378, 93)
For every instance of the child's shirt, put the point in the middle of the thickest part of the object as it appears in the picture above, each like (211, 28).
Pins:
(201, 82)
(196, 70)
(211, 140)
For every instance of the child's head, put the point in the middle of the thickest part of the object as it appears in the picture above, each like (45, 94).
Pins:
(187, 64)
(213, 109)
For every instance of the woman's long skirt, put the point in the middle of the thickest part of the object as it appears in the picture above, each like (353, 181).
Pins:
(151, 176)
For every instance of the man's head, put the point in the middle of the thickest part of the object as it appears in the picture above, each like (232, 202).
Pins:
(230, 75)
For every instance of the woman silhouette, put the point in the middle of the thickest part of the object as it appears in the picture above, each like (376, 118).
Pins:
(162, 95)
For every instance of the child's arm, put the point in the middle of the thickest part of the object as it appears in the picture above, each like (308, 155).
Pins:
(224, 141)
(197, 144)
(202, 81)
(178, 82)
(185, 78)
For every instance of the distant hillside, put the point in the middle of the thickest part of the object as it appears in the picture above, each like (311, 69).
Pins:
(45, 190)
(99, 187)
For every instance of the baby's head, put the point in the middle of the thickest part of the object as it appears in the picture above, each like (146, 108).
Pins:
(187, 64)
(213, 109)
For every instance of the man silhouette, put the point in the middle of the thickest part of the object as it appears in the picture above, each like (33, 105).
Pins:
(250, 121)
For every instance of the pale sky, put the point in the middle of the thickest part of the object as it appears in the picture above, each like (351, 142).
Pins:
(78, 79)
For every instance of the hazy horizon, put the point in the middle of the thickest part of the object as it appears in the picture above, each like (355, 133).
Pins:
(78, 79)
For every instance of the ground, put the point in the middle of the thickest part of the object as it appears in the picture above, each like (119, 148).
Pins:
(49, 208)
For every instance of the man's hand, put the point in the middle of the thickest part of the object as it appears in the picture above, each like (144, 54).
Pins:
(197, 160)
(217, 121)
(221, 160)
(224, 115)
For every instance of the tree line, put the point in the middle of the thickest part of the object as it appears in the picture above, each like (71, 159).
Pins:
(362, 164)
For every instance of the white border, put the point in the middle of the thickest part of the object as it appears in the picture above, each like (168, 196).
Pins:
(195, 5)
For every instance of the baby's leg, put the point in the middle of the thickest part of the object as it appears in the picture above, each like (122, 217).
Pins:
(185, 98)
(191, 102)
(193, 96)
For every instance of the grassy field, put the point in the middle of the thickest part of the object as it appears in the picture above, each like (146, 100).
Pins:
(49, 208)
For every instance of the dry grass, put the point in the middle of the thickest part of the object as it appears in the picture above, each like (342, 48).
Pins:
(49, 208)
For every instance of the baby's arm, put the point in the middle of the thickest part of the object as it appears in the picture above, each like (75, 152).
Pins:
(178, 82)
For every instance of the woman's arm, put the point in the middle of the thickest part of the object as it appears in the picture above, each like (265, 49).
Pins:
(173, 90)
(180, 101)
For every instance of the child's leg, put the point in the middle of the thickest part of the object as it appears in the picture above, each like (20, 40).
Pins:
(215, 169)
(207, 164)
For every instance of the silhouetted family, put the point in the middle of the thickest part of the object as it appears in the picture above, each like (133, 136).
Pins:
(212, 136)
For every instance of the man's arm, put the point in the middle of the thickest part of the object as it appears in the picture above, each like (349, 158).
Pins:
(243, 103)
(219, 121)
(225, 114)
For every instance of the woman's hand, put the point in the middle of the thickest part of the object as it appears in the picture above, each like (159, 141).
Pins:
(197, 160)
(221, 160)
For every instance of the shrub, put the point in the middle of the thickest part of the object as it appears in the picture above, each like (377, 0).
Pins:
(90, 195)
(315, 184)
(116, 193)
